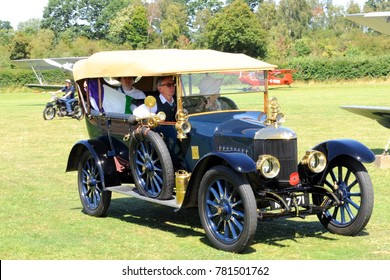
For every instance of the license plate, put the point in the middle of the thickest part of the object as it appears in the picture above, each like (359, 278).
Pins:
(299, 199)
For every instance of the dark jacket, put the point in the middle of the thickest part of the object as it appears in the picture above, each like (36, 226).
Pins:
(170, 111)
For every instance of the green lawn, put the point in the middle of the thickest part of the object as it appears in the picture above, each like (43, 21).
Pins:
(41, 214)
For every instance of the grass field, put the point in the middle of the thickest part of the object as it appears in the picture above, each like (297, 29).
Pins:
(41, 214)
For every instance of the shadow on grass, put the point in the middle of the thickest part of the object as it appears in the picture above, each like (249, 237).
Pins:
(34, 105)
(281, 88)
(182, 223)
(186, 223)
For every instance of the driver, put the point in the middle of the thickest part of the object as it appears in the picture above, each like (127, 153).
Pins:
(165, 102)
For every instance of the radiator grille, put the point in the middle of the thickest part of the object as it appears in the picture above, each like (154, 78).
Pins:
(286, 151)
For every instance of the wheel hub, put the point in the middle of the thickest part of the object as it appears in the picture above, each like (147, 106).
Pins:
(148, 165)
(342, 192)
(224, 209)
(91, 182)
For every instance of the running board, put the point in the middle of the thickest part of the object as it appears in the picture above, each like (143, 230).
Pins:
(132, 191)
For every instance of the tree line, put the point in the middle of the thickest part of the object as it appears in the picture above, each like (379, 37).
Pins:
(276, 32)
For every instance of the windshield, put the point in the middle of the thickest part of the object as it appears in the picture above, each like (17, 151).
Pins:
(222, 91)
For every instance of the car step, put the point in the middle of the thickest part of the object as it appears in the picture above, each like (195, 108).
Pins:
(131, 190)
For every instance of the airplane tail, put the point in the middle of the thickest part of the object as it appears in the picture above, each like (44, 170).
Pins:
(288, 78)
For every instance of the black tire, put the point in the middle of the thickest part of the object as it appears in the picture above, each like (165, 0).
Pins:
(49, 113)
(356, 193)
(94, 199)
(227, 209)
(151, 165)
(78, 112)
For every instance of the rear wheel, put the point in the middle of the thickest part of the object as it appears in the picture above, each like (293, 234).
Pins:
(94, 199)
(349, 180)
(227, 209)
(49, 113)
(151, 165)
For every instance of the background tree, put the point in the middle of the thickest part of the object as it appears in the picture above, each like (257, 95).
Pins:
(198, 12)
(20, 48)
(251, 3)
(168, 23)
(96, 16)
(6, 33)
(31, 26)
(41, 44)
(5, 25)
(266, 14)
(236, 29)
(294, 17)
(131, 26)
(59, 15)
(377, 6)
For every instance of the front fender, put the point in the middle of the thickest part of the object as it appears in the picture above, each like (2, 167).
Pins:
(353, 148)
(240, 162)
(99, 151)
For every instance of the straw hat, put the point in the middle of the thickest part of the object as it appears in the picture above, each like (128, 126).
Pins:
(210, 85)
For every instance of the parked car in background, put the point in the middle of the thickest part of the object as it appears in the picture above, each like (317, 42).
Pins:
(234, 161)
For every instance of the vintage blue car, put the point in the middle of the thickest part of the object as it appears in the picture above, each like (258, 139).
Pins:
(219, 146)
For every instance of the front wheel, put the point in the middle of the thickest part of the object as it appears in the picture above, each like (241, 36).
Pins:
(49, 113)
(78, 112)
(151, 165)
(94, 199)
(227, 209)
(349, 180)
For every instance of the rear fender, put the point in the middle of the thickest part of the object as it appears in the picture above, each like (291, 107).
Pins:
(99, 151)
(348, 147)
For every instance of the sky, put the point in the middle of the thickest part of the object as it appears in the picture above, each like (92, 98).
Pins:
(16, 11)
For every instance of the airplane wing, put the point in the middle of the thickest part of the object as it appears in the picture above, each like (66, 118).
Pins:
(379, 21)
(48, 63)
(39, 65)
(380, 114)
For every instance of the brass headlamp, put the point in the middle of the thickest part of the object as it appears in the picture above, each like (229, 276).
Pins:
(182, 125)
(315, 161)
(152, 120)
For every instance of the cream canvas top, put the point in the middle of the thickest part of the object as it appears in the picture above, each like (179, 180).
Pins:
(163, 62)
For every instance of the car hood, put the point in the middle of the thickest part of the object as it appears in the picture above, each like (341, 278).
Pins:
(237, 123)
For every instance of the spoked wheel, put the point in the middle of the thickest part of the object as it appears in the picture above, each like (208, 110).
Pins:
(227, 209)
(94, 199)
(151, 165)
(78, 112)
(49, 113)
(349, 180)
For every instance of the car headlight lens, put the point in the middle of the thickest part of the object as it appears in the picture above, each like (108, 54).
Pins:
(315, 161)
(186, 127)
(161, 116)
(268, 166)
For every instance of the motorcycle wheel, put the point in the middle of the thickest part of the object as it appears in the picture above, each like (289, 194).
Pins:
(49, 113)
(78, 112)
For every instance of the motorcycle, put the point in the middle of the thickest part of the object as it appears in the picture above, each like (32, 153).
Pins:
(58, 106)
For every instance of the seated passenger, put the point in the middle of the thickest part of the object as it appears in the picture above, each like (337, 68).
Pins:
(211, 86)
(165, 101)
(129, 90)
